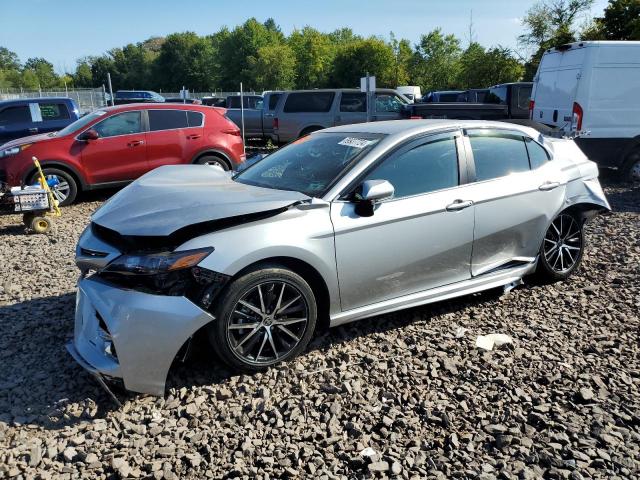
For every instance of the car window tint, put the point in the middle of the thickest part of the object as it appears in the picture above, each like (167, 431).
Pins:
(121, 124)
(273, 100)
(498, 154)
(387, 103)
(426, 168)
(167, 119)
(195, 119)
(17, 114)
(524, 94)
(538, 156)
(309, 102)
(353, 102)
(497, 95)
(53, 111)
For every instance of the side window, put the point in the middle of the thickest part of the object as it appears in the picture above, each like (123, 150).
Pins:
(122, 124)
(498, 154)
(309, 102)
(497, 95)
(538, 156)
(353, 102)
(387, 103)
(273, 100)
(53, 111)
(426, 168)
(195, 119)
(18, 114)
(167, 119)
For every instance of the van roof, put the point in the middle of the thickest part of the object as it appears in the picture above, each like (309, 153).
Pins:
(594, 43)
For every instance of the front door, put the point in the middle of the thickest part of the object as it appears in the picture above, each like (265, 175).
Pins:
(418, 240)
(175, 136)
(388, 106)
(517, 193)
(120, 152)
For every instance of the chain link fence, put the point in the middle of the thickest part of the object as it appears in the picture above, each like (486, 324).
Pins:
(88, 99)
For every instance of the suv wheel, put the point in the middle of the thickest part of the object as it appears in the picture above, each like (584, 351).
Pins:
(631, 167)
(562, 248)
(265, 317)
(214, 161)
(65, 191)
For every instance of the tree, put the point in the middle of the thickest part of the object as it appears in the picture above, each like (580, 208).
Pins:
(550, 23)
(402, 60)
(185, 59)
(83, 77)
(482, 68)
(356, 58)
(314, 54)
(273, 67)
(43, 71)
(621, 21)
(435, 63)
(8, 60)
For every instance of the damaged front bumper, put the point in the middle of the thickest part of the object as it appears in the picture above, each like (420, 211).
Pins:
(130, 335)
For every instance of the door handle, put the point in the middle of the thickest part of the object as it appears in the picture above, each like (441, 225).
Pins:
(459, 205)
(546, 186)
(135, 143)
(193, 137)
(33, 130)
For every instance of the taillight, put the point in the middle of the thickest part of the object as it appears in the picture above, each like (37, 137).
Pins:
(232, 131)
(276, 122)
(532, 105)
(576, 117)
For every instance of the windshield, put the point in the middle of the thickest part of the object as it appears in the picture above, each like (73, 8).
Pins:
(81, 123)
(310, 164)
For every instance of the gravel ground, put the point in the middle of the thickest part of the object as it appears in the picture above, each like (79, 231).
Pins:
(562, 402)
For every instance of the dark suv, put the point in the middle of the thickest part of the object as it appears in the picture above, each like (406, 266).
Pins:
(137, 96)
(30, 116)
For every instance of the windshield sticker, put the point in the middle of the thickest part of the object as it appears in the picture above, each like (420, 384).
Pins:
(356, 142)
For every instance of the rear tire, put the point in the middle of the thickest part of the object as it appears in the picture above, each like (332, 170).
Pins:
(309, 130)
(279, 310)
(40, 224)
(66, 191)
(562, 248)
(213, 160)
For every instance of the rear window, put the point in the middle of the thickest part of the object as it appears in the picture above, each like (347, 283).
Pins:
(449, 97)
(167, 119)
(17, 114)
(498, 95)
(248, 102)
(53, 111)
(497, 154)
(353, 102)
(309, 102)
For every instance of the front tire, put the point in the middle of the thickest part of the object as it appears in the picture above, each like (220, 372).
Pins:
(562, 248)
(631, 167)
(265, 317)
(214, 161)
(66, 190)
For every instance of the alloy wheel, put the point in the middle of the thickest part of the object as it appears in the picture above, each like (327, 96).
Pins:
(563, 243)
(61, 190)
(267, 323)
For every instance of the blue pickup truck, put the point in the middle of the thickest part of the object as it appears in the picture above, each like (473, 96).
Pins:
(32, 116)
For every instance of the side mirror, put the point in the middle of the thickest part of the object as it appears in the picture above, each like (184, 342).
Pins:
(87, 135)
(372, 192)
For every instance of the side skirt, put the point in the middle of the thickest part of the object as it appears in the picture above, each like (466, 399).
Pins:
(487, 281)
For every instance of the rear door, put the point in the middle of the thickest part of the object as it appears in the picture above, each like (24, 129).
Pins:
(269, 112)
(420, 239)
(556, 84)
(15, 122)
(516, 193)
(302, 111)
(174, 136)
(120, 153)
(352, 108)
(54, 116)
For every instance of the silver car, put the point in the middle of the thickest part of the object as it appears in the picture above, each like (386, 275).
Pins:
(343, 224)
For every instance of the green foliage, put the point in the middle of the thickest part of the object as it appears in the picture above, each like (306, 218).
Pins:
(358, 57)
(273, 67)
(314, 55)
(621, 21)
(436, 61)
(43, 70)
(487, 67)
(185, 59)
(8, 60)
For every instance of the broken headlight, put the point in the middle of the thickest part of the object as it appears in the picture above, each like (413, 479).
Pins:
(167, 273)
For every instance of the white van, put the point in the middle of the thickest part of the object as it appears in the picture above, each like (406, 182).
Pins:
(593, 88)
(412, 92)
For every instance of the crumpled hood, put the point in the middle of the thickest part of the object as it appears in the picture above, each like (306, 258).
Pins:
(170, 198)
(30, 139)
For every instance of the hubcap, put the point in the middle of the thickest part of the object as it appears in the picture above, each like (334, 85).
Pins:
(563, 243)
(635, 171)
(61, 190)
(267, 323)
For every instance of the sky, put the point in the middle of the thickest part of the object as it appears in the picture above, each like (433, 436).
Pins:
(64, 30)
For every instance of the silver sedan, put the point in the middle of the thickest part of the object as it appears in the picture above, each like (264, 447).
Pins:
(344, 224)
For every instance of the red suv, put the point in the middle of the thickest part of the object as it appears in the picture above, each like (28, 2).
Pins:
(116, 145)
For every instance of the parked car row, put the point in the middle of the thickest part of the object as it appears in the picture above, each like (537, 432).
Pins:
(115, 145)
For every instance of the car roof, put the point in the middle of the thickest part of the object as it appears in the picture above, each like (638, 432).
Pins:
(36, 99)
(156, 106)
(414, 127)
